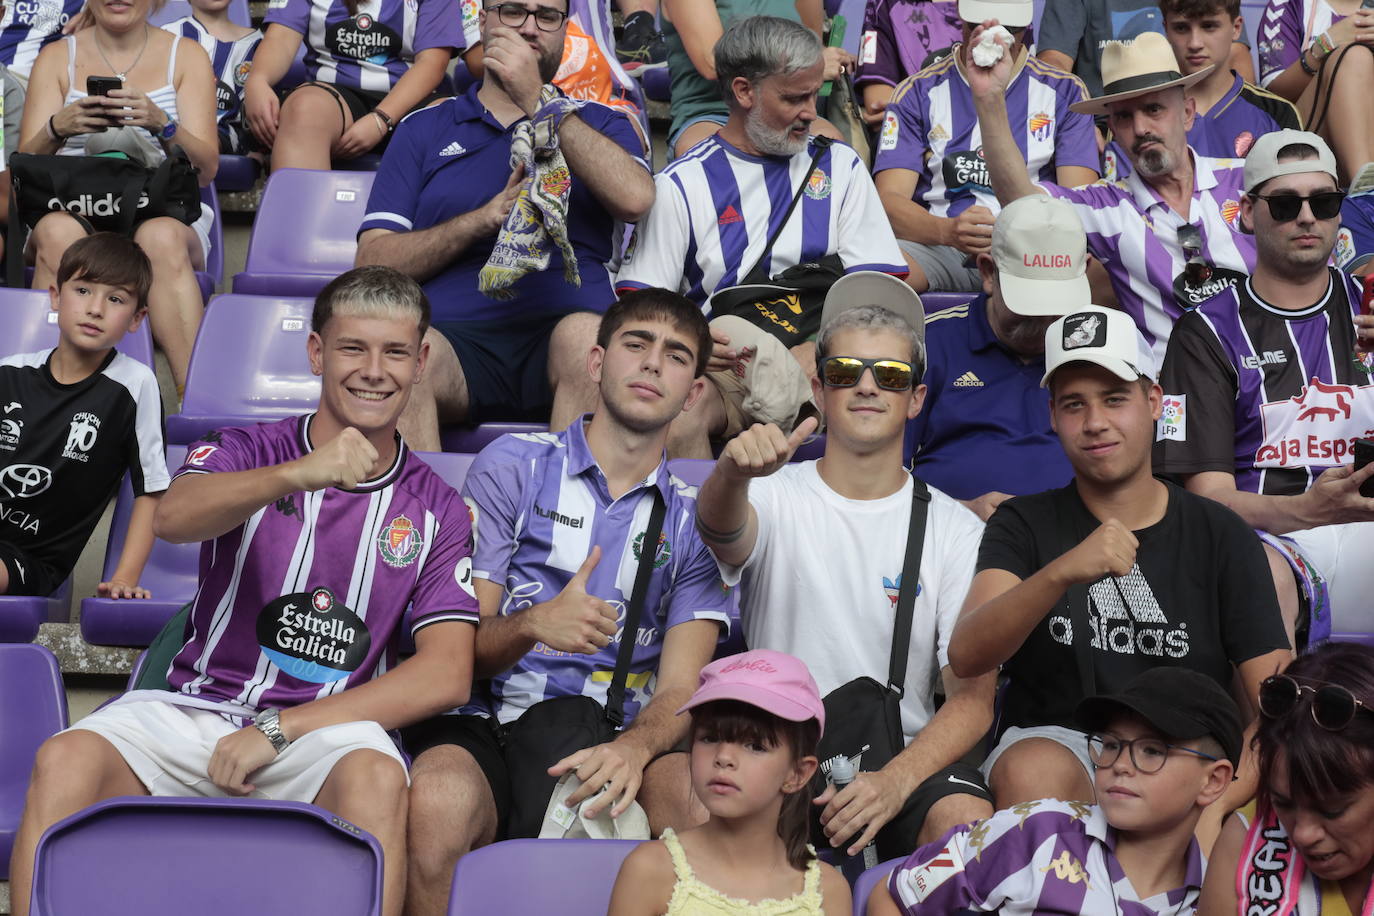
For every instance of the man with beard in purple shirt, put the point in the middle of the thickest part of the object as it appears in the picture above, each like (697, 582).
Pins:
(324, 536)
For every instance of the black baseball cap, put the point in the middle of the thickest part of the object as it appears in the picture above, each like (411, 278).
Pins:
(1181, 703)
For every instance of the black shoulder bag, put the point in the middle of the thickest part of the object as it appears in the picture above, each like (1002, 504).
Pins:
(552, 729)
(787, 306)
(863, 718)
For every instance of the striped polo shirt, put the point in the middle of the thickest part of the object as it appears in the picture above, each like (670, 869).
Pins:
(717, 207)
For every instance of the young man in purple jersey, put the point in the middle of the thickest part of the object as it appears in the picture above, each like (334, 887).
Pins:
(1168, 235)
(560, 521)
(324, 537)
(1268, 386)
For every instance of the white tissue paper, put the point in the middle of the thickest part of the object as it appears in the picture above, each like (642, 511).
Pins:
(988, 52)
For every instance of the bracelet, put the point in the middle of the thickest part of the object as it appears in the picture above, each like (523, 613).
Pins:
(1325, 43)
(385, 119)
(52, 131)
(1306, 67)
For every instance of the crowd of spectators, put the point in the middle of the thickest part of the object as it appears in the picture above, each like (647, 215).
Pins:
(1123, 458)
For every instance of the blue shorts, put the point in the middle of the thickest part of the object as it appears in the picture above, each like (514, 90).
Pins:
(506, 364)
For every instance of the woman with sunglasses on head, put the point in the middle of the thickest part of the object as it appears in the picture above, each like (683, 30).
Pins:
(1306, 845)
(369, 63)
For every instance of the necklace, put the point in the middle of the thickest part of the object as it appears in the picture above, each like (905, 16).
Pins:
(95, 36)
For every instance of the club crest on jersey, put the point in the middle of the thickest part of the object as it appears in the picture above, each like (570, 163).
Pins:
(313, 637)
(661, 556)
(1040, 124)
(1230, 211)
(400, 542)
(1244, 140)
(888, 138)
(241, 72)
(818, 185)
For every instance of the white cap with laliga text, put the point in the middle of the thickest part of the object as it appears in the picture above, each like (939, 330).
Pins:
(1042, 256)
(1105, 337)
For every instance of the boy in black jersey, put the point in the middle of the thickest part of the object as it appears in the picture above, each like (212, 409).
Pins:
(74, 419)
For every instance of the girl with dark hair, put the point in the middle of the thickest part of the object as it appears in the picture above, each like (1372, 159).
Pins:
(1306, 845)
(756, 720)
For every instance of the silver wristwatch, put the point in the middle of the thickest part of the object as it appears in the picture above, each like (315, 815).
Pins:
(268, 722)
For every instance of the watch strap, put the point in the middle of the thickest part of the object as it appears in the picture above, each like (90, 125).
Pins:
(269, 723)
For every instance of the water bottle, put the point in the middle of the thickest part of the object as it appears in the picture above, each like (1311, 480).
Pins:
(842, 773)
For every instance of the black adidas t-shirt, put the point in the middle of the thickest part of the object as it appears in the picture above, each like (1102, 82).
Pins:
(1200, 597)
(65, 448)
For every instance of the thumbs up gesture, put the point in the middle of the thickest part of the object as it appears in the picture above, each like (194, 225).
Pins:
(575, 621)
(763, 448)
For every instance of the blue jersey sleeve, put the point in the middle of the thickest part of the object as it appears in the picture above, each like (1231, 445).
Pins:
(494, 486)
(396, 189)
(294, 14)
(1075, 137)
(902, 141)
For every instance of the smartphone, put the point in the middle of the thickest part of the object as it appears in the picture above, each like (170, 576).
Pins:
(101, 85)
(1364, 453)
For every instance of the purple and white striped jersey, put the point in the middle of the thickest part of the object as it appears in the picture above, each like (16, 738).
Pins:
(899, 35)
(1275, 396)
(540, 503)
(1043, 857)
(932, 129)
(1136, 236)
(309, 596)
(1286, 29)
(372, 50)
(716, 208)
(27, 26)
(231, 61)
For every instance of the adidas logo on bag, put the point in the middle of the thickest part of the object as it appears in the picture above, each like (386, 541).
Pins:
(968, 380)
(453, 149)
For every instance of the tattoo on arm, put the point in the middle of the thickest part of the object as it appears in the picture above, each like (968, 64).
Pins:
(716, 536)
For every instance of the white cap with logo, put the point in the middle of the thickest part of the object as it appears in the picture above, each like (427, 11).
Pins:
(1105, 337)
(1262, 162)
(1014, 14)
(1042, 256)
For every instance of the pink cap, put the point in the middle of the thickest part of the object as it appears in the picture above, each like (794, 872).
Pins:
(773, 681)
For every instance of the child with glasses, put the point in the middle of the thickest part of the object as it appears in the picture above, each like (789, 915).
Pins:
(1305, 845)
(1162, 749)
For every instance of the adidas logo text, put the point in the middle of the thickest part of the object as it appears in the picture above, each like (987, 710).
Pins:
(968, 380)
(453, 149)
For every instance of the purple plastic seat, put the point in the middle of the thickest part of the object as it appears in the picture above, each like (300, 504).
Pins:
(934, 302)
(453, 468)
(28, 323)
(248, 366)
(657, 84)
(170, 574)
(33, 707)
(20, 616)
(208, 856)
(213, 273)
(236, 173)
(305, 231)
(870, 879)
(520, 877)
(1366, 639)
(473, 439)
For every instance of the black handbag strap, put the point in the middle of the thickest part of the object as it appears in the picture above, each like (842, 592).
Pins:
(822, 144)
(906, 595)
(18, 238)
(648, 551)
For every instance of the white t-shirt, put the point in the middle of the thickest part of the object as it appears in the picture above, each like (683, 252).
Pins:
(823, 579)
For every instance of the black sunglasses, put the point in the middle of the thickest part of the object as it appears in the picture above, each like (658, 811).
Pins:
(1333, 706)
(845, 372)
(1148, 755)
(1286, 207)
(514, 15)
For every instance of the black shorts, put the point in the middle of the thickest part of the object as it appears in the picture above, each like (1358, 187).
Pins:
(359, 102)
(506, 365)
(480, 737)
(28, 576)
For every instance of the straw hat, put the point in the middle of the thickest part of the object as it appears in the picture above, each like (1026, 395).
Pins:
(1134, 68)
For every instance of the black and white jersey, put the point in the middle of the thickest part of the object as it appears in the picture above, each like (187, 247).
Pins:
(65, 448)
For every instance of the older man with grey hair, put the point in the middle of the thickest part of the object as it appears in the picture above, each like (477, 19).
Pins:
(819, 550)
(720, 205)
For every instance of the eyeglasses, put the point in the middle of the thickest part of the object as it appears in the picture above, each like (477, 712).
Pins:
(1286, 207)
(1148, 755)
(1197, 270)
(514, 15)
(845, 372)
(1333, 706)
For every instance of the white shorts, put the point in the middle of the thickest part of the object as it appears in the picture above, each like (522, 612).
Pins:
(169, 747)
(1071, 739)
(1341, 554)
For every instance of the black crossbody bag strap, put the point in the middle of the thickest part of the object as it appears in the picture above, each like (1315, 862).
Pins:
(822, 144)
(906, 595)
(648, 551)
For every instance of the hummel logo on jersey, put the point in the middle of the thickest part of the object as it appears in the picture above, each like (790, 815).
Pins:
(968, 380)
(1125, 617)
(453, 149)
(730, 215)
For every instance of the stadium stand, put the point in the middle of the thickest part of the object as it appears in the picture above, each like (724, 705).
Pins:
(869, 880)
(574, 877)
(28, 323)
(33, 706)
(166, 855)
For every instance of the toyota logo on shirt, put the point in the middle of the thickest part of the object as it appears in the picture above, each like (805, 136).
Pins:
(19, 481)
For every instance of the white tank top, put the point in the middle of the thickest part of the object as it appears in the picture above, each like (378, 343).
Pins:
(164, 97)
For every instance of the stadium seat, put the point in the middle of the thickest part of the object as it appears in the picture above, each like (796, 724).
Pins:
(208, 856)
(519, 877)
(28, 323)
(21, 616)
(236, 173)
(170, 574)
(869, 880)
(1366, 639)
(453, 468)
(248, 365)
(305, 231)
(33, 707)
(213, 274)
(473, 439)
(657, 85)
(934, 302)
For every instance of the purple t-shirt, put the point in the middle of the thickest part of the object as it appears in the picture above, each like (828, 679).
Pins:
(899, 35)
(1355, 240)
(373, 49)
(541, 503)
(932, 129)
(309, 596)
(1285, 31)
